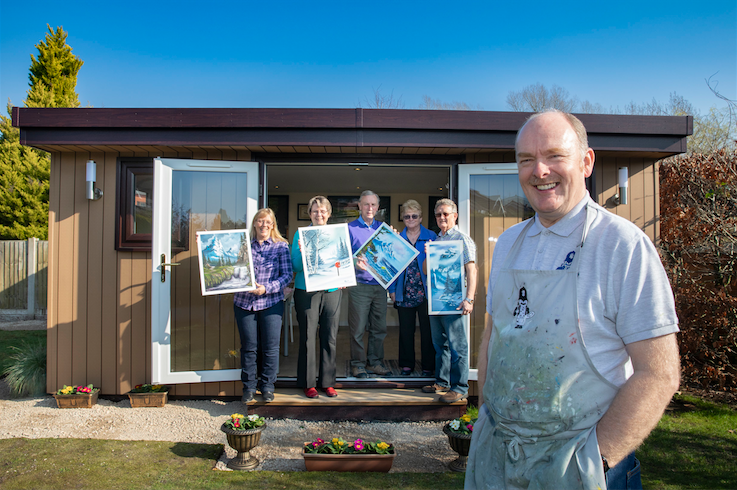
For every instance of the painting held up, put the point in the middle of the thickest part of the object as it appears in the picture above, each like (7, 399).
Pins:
(387, 255)
(326, 257)
(446, 275)
(226, 264)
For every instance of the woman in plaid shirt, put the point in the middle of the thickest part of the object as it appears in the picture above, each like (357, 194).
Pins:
(258, 313)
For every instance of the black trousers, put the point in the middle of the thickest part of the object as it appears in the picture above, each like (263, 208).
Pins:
(407, 322)
(317, 312)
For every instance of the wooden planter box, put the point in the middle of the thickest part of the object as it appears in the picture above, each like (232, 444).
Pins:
(77, 401)
(349, 462)
(139, 400)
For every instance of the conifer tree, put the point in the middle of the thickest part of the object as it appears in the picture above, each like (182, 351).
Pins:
(24, 171)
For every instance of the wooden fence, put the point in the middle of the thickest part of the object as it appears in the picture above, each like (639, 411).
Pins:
(23, 277)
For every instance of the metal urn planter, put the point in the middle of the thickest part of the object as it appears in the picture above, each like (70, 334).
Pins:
(243, 441)
(460, 443)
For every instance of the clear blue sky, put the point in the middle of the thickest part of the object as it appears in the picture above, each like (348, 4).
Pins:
(333, 54)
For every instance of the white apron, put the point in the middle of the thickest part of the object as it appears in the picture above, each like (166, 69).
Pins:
(543, 396)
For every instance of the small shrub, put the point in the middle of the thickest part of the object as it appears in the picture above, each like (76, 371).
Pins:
(26, 374)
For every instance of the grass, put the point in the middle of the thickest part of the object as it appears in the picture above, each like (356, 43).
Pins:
(11, 338)
(694, 446)
(93, 464)
(26, 374)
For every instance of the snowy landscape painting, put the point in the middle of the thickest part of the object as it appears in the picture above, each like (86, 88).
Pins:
(445, 272)
(326, 257)
(225, 261)
(387, 255)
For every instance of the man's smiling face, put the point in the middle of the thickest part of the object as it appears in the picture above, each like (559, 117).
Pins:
(552, 169)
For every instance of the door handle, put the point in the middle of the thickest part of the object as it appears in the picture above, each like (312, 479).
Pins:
(164, 265)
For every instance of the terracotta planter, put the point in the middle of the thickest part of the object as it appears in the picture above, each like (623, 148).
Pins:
(460, 443)
(243, 441)
(349, 462)
(139, 400)
(81, 400)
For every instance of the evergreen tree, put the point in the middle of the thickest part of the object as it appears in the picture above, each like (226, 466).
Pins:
(24, 171)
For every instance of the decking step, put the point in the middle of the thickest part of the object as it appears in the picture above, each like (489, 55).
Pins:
(395, 404)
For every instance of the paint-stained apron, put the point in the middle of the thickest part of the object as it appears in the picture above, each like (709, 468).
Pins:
(543, 396)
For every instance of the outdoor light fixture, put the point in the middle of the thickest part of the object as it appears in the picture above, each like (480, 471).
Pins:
(621, 198)
(93, 193)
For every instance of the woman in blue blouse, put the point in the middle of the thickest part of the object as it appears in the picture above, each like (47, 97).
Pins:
(258, 313)
(409, 293)
(319, 308)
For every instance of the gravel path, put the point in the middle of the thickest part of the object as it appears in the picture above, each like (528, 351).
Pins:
(421, 446)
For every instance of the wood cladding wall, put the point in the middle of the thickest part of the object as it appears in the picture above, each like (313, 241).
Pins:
(99, 314)
(99, 320)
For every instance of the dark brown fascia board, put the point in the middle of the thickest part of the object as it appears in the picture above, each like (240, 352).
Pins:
(152, 118)
(484, 140)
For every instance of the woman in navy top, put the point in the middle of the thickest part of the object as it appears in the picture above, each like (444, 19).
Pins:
(409, 293)
(258, 313)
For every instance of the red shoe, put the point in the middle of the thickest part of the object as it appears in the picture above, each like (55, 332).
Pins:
(311, 393)
(331, 392)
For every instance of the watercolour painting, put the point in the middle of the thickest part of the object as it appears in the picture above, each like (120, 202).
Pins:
(326, 257)
(446, 274)
(226, 264)
(387, 255)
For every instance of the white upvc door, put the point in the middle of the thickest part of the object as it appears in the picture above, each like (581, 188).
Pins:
(490, 200)
(194, 337)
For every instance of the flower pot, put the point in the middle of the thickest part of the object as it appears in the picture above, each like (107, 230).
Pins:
(243, 441)
(139, 400)
(349, 462)
(80, 400)
(460, 443)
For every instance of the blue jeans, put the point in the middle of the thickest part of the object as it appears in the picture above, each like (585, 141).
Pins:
(260, 333)
(451, 352)
(625, 475)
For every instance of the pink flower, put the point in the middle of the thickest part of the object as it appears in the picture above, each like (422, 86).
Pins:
(469, 427)
(358, 445)
(319, 442)
(236, 423)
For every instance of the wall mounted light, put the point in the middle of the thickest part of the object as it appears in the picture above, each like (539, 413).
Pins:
(93, 193)
(621, 197)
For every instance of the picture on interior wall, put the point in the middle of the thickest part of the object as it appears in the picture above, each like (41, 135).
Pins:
(387, 255)
(446, 274)
(303, 214)
(345, 209)
(226, 264)
(326, 257)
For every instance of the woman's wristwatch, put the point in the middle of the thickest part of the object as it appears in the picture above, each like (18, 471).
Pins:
(470, 301)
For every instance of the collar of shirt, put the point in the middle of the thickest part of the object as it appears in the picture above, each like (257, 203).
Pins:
(455, 228)
(567, 224)
(360, 220)
(255, 242)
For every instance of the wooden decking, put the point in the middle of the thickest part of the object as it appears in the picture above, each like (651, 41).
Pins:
(395, 404)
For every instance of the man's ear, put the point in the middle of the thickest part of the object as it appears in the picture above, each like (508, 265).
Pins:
(588, 163)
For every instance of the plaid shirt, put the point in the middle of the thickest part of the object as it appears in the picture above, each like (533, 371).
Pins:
(273, 269)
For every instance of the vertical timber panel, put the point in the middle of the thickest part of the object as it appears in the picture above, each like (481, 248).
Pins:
(137, 354)
(52, 315)
(95, 246)
(636, 191)
(66, 294)
(109, 279)
(79, 279)
(125, 308)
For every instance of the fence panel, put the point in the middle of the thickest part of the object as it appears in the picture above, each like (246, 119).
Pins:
(14, 270)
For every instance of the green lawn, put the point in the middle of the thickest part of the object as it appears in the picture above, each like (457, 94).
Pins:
(694, 446)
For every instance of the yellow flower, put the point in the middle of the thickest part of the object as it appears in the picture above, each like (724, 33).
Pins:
(236, 416)
(466, 418)
(335, 440)
(382, 445)
(67, 390)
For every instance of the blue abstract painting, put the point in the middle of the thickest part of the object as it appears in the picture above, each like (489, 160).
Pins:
(445, 274)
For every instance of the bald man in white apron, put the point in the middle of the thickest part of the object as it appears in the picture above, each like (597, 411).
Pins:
(543, 395)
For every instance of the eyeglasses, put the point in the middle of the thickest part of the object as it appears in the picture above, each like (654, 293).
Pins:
(262, 222)
(411, 216)
(438, 215)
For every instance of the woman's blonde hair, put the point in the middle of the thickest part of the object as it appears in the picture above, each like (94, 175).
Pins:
(275, 235)
(411, 204)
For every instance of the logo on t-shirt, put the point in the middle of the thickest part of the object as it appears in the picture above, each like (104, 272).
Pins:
(522, 312)
(568, 261)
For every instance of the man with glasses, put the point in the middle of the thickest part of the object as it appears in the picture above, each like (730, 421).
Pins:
(367, 305)
(448, 333)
